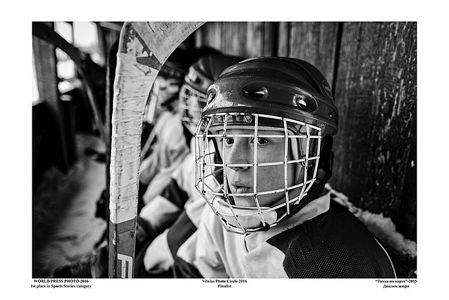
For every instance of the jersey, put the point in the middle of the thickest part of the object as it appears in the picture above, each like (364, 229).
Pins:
(162, 209)
(322, 240)
(169, 148)
(178, 200)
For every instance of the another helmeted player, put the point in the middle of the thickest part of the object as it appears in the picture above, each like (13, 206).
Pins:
(168, 142)
(166, 145)
(179, 197)
(265, 140)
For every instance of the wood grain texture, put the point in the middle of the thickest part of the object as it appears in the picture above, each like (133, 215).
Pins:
(234, 38)
(247, 39)
(260, 39)
(210, 35)
(254, 39)
(314, 42)
(270, 39)
(376, 99)
(284, 39)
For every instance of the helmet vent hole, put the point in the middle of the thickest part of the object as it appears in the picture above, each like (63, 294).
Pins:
(255, 92)
(304, 103)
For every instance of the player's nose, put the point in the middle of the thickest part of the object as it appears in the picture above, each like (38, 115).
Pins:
(239, 155)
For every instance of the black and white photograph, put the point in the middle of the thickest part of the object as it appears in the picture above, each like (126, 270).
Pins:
(233, 149)
(224, 150)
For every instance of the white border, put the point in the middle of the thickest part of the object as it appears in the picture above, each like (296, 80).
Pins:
(15, 62)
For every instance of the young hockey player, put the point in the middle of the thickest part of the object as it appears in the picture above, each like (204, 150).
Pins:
(271, 121)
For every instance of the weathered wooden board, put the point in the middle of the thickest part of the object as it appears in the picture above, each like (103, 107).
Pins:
(376, 99)
(284, 39)
(314, 42)
(234, 38)
(254, 39)
(209, 35)
(248, 39)
(260, 39)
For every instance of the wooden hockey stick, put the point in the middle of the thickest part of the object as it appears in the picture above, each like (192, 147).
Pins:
(143, 49)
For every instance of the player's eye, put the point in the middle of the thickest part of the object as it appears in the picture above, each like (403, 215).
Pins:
(228, 141)
(260, 141)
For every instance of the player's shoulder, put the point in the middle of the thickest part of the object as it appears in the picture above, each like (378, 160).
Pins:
(209, 219)
(333, 244)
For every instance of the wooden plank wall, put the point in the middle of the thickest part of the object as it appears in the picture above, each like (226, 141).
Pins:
(315, 43)
(376, 98)
(238, 38)
(372, 69)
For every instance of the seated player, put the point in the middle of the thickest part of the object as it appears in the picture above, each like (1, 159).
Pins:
(180, 194)
(271, 121)
(166, 145)
(168, 142)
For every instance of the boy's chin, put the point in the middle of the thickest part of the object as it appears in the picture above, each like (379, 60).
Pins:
(249, 201)
(244, 201)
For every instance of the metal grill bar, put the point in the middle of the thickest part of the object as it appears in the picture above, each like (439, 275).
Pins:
(286, 165)
(225, 180)
(268, 164)
(204, 151)
(256, 161)
(273, 136)
(209, 168)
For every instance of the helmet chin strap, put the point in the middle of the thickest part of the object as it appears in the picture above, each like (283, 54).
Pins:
(248, 217)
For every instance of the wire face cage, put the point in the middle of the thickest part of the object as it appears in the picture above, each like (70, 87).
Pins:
(252, 168)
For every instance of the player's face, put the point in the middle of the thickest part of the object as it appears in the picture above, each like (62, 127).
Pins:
(240, 150)
(163, 89)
